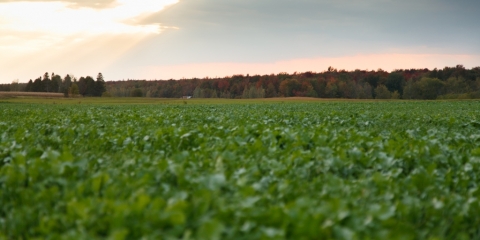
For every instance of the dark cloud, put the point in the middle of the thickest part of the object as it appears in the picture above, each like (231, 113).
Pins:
(269, 30)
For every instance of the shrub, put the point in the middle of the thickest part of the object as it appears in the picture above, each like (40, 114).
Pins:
(137, 92)
(381, 92)
(395, 95)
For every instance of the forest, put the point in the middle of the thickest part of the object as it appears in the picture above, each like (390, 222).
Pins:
(69, 86)
(447, 83)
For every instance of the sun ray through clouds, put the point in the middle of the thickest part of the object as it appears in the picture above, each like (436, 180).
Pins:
(46, 35)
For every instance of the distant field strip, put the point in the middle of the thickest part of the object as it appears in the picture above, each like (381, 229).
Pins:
(31, 94)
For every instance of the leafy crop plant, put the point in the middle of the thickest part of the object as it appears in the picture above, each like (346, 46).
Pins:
(348, 170)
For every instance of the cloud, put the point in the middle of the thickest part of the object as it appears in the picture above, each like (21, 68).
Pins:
(233, 30)
(46, 33)
(59, 19)
(386, 62)
(122, 35)
(37, 25)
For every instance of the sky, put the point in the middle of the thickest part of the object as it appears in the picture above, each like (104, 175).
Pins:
(174, 39)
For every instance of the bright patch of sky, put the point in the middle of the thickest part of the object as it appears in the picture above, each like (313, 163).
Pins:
(162, 39)
(30, 25)
(39, 36)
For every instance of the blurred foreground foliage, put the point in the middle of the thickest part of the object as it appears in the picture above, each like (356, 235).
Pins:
(388, 170)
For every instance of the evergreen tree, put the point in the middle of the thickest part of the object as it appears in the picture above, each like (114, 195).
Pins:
(38, 85)
(100, 85)
(29, 87)
(90, 86)
(66, 84)
(82, 86)
(55, 83)
(395, 82)
(46, 83)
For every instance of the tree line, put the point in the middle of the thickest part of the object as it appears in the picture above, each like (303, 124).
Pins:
(447, 83)
(69, 85)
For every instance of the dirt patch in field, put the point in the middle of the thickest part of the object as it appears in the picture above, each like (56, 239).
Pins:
(311, 99)
(30, 94)
(296, 98)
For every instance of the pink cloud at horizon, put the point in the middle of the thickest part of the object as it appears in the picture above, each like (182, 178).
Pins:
(387, 62)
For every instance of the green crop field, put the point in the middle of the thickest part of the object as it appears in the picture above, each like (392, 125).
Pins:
(249, 170)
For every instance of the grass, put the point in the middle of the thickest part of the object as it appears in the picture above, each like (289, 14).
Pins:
(132, 100)
(306, 169)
